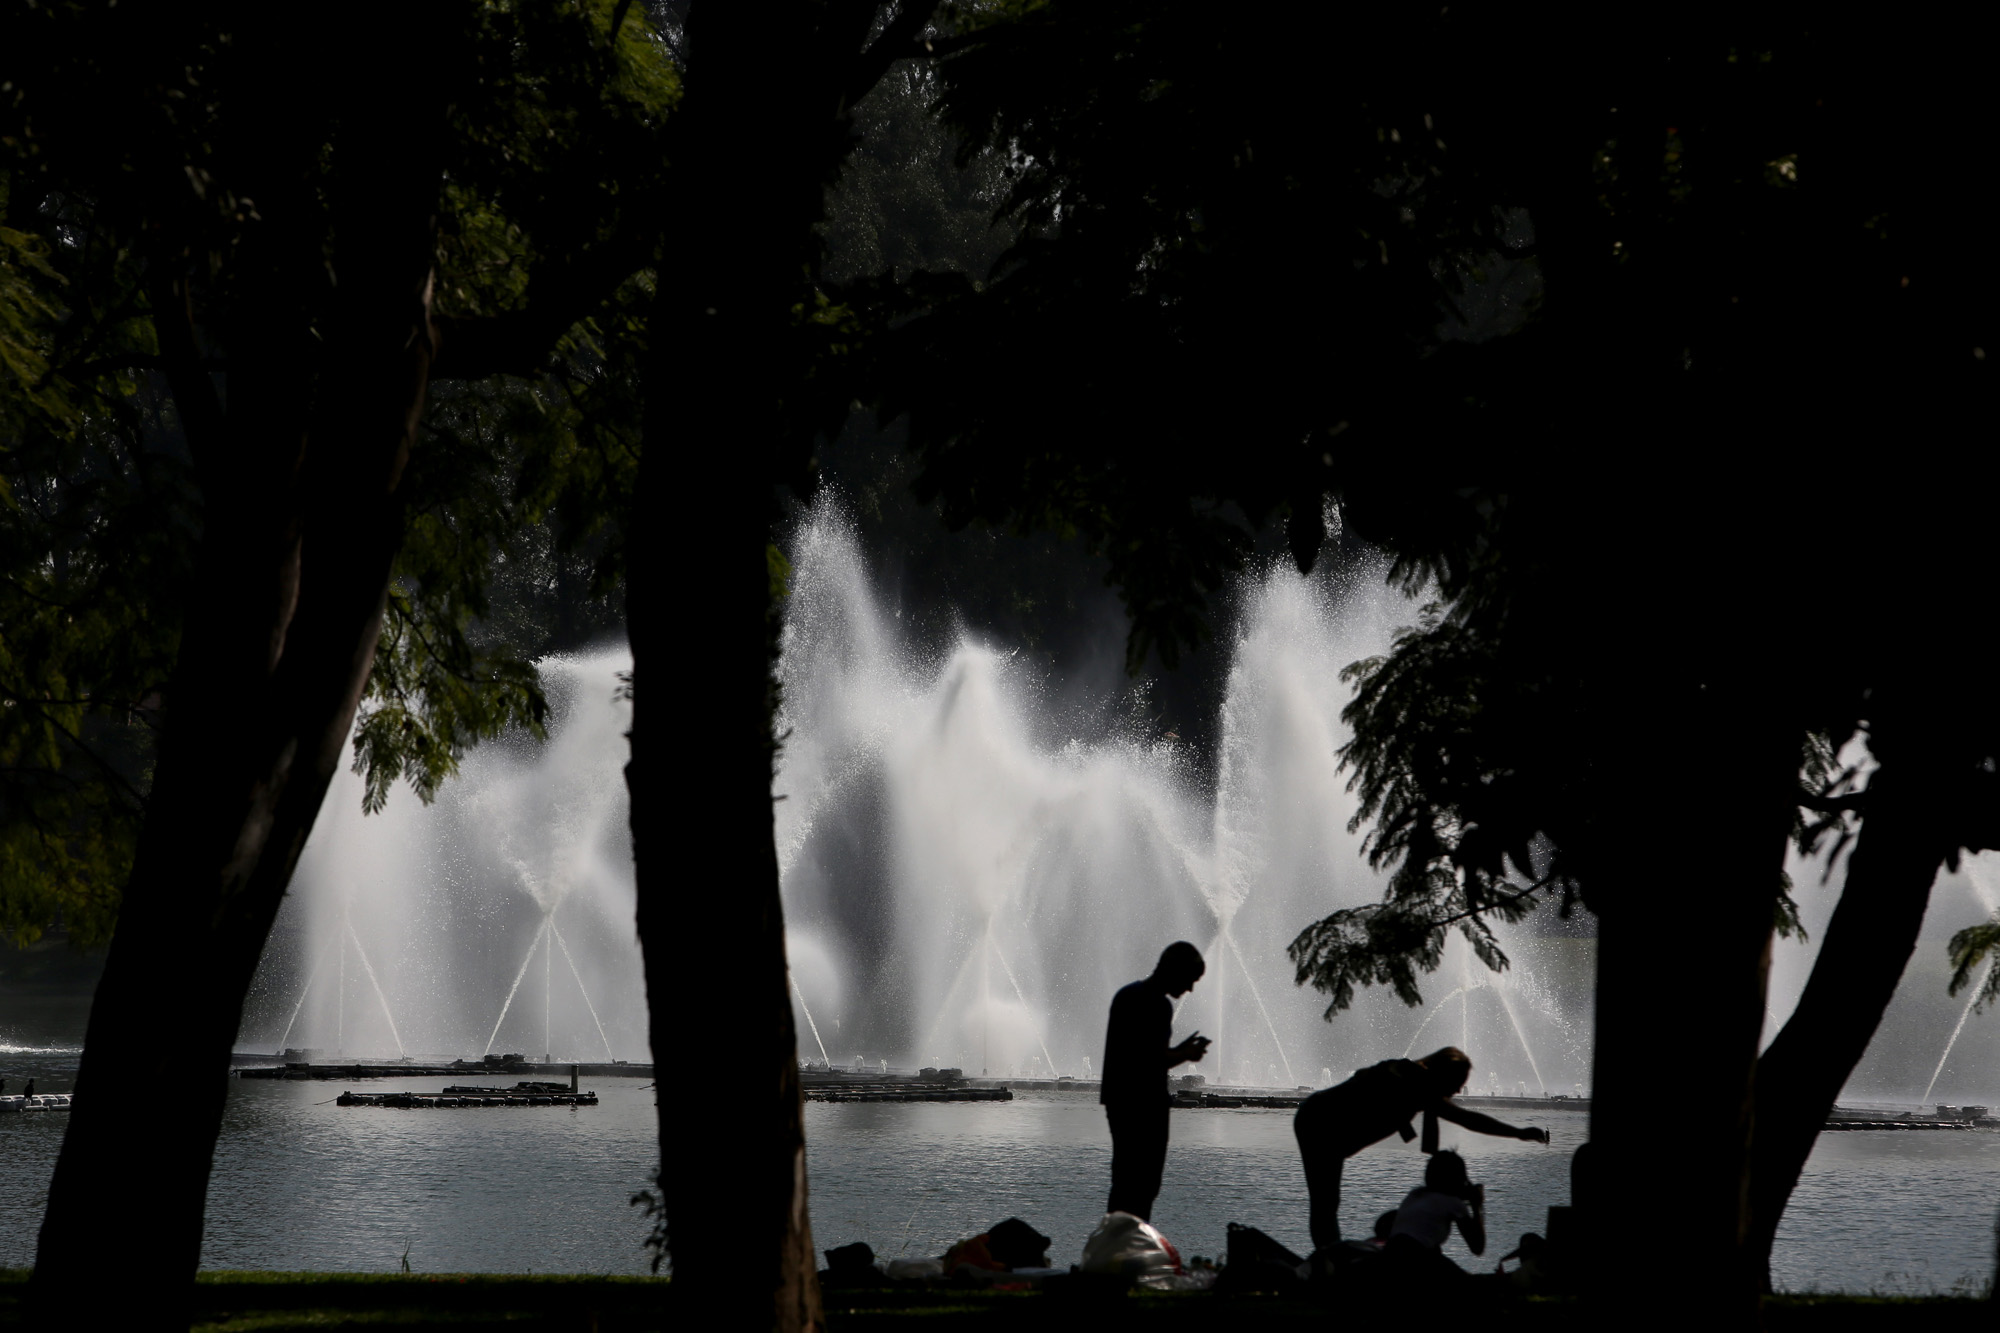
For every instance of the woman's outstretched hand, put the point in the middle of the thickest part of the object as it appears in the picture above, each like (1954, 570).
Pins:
(1532, 1135)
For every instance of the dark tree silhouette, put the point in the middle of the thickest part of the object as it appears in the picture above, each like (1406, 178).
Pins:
(309, 253)
(1258, 271)
(733, 399)
(1934, 795)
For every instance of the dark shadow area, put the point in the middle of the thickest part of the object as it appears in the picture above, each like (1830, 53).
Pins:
(45, 993)
(286, 1301)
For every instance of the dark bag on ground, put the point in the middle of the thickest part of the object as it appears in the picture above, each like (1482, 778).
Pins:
(1018, 1245)
(850, 1265)
(1258, 1263)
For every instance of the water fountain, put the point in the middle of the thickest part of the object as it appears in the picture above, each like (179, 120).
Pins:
(969, 872)
(497, 919)
(967, 878)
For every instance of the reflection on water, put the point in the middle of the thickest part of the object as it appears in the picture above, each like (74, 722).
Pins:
(303, 1184)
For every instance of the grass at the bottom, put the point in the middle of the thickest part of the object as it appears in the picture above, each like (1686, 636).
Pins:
(234, 1302)
(273, 1302)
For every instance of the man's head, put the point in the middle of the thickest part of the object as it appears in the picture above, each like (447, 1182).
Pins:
(1180, 966)
(1449, 1069)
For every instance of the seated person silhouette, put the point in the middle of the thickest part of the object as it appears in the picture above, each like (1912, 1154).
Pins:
(1335, 1123)
(1531, 1272)
(1428, 1213)
(1385, 1226)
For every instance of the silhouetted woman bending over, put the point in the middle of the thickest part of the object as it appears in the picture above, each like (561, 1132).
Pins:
(1334, 1124)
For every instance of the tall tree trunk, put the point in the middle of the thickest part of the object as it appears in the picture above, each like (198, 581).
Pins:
(714, 942)
(760, 130)
(713, 930)
(750, 162)
(1868, 943)
(1680, 1006)
(302, 521)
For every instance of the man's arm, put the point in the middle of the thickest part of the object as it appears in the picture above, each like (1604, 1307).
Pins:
(1193, 1048)
(1486, 1124)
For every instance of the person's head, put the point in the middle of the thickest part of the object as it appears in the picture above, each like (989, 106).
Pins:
(1449, 1069)
(1445, 1172)
(1583, 1181)
(1180, 966)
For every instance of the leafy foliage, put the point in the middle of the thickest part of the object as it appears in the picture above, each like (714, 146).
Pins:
(27, 319)
(905, 203)
(152, 246)
(1969, 948)
(652, 1207)
(98, 515)
(1417, 720)
(1228, 250)
(1250, 273)
(92, 546)
(1536, 708)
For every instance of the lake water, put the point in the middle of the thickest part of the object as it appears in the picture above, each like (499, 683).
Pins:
(301, 1183)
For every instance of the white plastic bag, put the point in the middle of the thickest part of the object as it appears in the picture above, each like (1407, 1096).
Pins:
(1124, 1244)
(1201, 1281)
(915, 1270)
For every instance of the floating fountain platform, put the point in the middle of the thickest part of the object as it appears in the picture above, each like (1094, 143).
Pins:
(1554, 1102)
(1947, 1117)
(837, 1085)
(1902, 1124)
(358, 1069)
(1188, 1101)
(902, 1091)
(48, 1101)
(521, 1094)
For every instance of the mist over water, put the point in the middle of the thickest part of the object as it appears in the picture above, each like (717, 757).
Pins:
(969, 871)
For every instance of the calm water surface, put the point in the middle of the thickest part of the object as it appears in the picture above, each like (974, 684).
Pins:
(300, 1183)
(303, 1184)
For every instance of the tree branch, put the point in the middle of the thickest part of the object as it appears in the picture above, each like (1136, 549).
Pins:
(480, 348)
(111, 774)
(194, 393)
(618, 14)
(1857, 802)
(897, 42)
(523, 343)
(1481, 909)
(136, 361)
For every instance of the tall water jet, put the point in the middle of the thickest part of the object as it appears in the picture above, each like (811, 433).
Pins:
(967, 878)
(439, 910)
(1979, 874)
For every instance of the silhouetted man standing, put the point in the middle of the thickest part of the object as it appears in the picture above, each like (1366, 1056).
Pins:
(1136, 1060)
